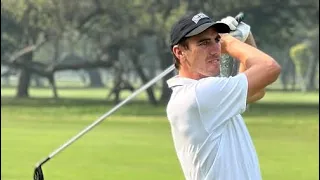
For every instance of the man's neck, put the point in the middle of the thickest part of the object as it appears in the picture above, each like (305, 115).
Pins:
(190, 75)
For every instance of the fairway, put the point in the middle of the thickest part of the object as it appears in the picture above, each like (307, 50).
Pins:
(135, 142)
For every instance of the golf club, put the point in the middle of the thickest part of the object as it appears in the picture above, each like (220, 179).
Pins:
(38, 173)
(239, 17)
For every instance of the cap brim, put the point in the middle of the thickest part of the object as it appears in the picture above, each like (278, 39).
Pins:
(220, 28)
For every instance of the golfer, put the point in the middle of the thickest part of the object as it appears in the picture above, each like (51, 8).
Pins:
(210, 137)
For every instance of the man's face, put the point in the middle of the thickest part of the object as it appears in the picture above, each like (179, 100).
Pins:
(202, 57)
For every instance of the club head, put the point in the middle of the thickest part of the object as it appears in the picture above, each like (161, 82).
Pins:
(38, 174)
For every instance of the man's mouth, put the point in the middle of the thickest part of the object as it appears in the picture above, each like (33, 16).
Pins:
(216, 60)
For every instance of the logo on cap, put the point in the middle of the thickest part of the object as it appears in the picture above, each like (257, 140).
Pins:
(198, 16)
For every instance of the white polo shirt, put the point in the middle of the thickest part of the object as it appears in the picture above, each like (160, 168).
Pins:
(209, 134)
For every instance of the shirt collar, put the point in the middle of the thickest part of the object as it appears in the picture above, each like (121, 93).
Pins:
(179, 81)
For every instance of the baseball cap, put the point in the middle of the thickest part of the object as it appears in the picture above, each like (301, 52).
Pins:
(193, 24)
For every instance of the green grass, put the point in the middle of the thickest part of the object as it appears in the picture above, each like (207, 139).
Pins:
(135, 142)
(74, 93)
(101, 93)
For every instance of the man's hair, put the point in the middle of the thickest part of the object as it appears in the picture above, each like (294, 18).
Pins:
(184, 44)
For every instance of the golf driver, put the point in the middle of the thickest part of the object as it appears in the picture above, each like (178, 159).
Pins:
(38, 174)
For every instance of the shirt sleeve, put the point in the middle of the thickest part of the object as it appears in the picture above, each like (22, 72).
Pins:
(221, 98)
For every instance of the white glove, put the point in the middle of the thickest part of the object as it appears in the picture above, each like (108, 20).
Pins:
(231, 22)
(240, 30)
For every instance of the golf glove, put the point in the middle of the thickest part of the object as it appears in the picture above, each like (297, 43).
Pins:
(240, 30)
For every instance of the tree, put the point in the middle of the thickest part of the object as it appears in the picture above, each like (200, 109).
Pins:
(38, 20)
(33, 18)
(97, 31)
(306, 60)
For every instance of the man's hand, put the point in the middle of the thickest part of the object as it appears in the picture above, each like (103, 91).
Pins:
(240, 30)
(226, 41)
(231, 22)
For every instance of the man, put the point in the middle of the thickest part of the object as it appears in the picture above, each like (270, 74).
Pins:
(209, 134)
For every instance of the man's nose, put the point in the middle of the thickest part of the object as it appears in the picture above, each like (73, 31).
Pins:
(215, 48)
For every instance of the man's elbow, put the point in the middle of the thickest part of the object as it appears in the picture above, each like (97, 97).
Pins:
(274, 69)
(261, 93)
(256, 97)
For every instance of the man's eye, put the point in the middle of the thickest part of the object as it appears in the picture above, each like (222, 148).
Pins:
(217, 39)
(203, 43)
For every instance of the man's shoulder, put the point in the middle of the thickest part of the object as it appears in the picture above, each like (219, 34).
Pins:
(180, 81)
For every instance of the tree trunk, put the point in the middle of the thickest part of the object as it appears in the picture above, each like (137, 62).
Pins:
(311, 74)
(95, 78)
(166, 61)
(116, 88)
(144, 79)
(24, 82)
(24, 79)
(285, 74)
(38, 80)
(53, 85)
(312, 70)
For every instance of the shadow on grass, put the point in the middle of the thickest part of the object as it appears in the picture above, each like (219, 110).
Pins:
(143, 108)
(41, 102)
(281, 109)
(83, 106)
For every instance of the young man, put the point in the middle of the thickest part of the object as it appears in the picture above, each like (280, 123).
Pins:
(204, 111)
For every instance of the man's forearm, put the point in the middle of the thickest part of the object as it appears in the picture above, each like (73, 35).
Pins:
(260, 94)
(251, 41)
(257, 96)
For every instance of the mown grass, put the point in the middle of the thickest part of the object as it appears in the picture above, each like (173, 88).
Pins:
(135, 142)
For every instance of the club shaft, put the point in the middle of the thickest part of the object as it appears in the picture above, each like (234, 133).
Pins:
(100, 119)
(239, 17)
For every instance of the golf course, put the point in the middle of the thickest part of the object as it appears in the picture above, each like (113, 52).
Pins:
(135, 142)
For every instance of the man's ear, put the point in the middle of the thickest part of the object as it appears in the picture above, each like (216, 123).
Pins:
(177, 51)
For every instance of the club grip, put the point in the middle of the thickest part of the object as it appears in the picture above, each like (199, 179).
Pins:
(240, 17)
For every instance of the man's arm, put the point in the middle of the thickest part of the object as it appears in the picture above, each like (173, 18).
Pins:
(261, 69)
(250, 40)
(260, 94)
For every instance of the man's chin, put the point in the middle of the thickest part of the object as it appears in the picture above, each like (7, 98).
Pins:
(210, 75)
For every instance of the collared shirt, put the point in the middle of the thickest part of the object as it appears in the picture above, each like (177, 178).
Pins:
(209, 134)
